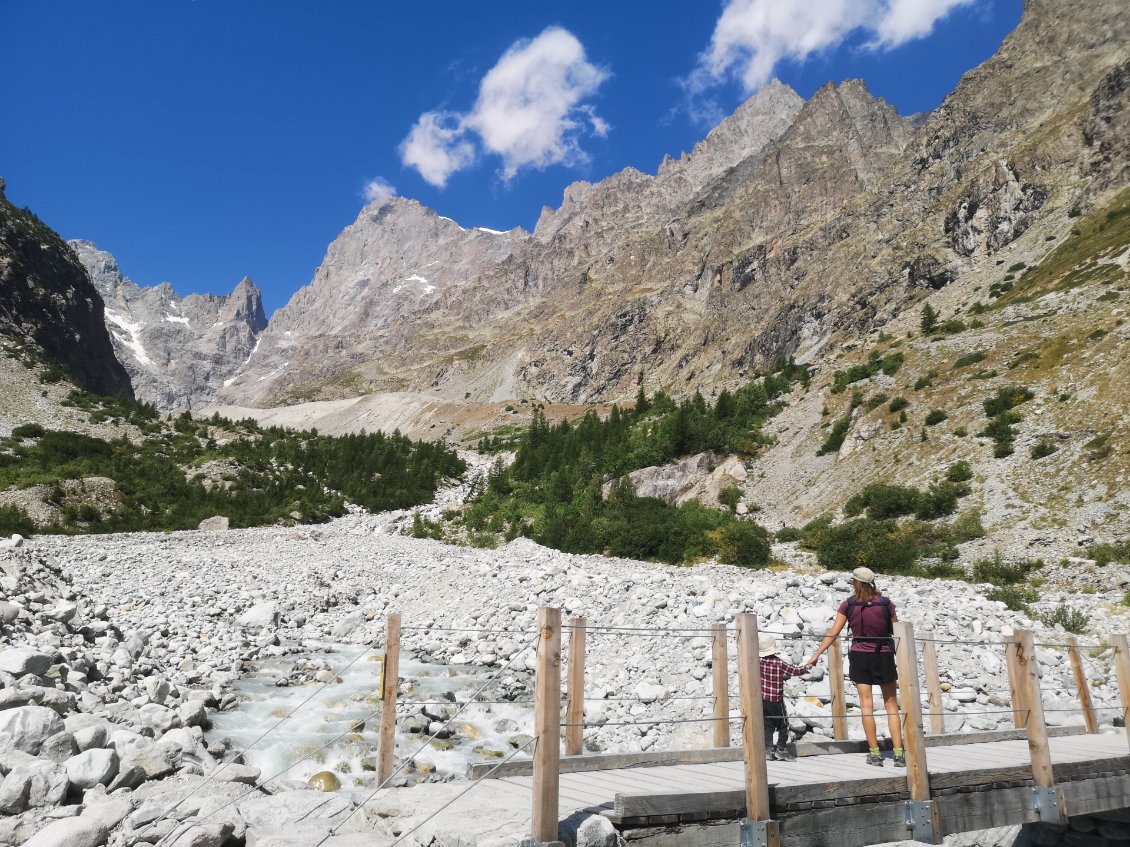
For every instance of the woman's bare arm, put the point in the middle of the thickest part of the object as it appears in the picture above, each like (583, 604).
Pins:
(829, 637)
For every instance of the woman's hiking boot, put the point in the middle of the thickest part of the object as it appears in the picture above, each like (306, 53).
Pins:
(876, 759)
(784, 754)
(900, 761)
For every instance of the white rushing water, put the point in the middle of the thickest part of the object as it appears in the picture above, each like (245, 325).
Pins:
(350, 709)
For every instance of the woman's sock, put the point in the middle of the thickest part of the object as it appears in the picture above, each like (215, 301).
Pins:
(874, 751)
(898, 751)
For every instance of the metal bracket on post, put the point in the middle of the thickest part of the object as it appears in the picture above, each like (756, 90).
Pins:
(1049, 803)
(920, 820)
(753, 833)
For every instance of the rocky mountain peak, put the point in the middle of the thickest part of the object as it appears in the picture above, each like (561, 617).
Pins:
(177, 350)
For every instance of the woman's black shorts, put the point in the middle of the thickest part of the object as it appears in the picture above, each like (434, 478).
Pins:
(871, 668)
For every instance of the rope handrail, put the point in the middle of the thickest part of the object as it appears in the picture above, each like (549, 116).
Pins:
(468, 629)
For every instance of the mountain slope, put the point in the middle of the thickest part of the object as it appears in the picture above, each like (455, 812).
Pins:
(48, 305)
(792, 226)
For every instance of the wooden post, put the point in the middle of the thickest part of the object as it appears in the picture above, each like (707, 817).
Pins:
(1029, 681)
(1081, 685)
(575, 710)
(933, 684)
(753, 724)
(1122, 669)
(720, 668)
(836, 681)
(917, 777)
(547, 726)
(390, 683)
(1016, 691)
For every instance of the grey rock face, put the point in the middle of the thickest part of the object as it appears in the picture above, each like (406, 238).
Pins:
(177, 350)
(47, 303)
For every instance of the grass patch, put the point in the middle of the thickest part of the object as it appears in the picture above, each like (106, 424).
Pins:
(969, 359)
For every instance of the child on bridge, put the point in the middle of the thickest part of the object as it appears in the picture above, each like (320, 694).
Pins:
(774, 672)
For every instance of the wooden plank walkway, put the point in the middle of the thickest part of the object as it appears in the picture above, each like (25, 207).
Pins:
(668, 805)
(597, 790)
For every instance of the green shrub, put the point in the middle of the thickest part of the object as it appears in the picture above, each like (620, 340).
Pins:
(14, 520)
(952, 327)
(1043, 447)
(935, 416)
(836, 436)
(743, 543)
(883, 501)
(898, 404)
(1104, 554)
(960, 471)
(945, 570)
(961, 432)
(967, 527)
(925, 381)
(787, 534)
(969, 359)
(1000, 573)
(730, 496)
(876, 400)
(939, 500)
(1000, 430)
(864, 542)
(28, 430)
(1014, 597)
(888, 364)
(1007, 398)
(1072, 620)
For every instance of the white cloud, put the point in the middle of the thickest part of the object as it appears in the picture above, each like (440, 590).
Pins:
(753, 36)
(436, 147)
(906, 20)
(530, 112)
(378, 191)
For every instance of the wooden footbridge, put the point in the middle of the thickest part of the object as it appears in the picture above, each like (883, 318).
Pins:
(733, 796)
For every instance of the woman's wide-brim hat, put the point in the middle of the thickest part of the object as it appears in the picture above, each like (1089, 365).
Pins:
(864, 575)
(766, 645)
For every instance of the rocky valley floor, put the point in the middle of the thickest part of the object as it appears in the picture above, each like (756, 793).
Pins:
(118, 649)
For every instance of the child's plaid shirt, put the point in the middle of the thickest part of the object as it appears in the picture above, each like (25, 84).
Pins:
(774, 672)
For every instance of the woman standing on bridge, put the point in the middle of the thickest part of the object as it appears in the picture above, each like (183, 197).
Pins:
(871, 660)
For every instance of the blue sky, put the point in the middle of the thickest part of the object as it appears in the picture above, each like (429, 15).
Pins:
(203, 141)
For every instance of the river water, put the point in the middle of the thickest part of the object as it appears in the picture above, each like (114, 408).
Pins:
(343, 718)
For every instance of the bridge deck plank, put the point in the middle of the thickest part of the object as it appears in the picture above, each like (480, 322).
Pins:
(667, 793)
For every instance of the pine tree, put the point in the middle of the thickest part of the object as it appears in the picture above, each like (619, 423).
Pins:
(929, 319)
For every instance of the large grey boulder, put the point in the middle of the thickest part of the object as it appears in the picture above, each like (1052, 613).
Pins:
(32, 786)
(92, 767)
(216, 523)
(8, 612)
(587, 830)
(159, 718)
(260, 616)
(70, 832)
(19, 661)
(290, 806)
(201, 835)
(30, 726)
